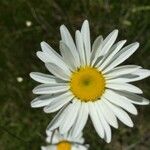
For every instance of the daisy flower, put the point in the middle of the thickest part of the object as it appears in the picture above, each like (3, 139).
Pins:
(87, 81)
(64, 142)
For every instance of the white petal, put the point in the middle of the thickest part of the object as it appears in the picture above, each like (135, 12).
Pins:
(96, 44)
(78, 139)
(68, 56)
(49, 133)
(107, 113)
(124, 87)
(121, 70)
(57, 104)
(75, 147)
(95, 119)
(121, 115)
(109, 41)
(43, 56)
(41, 101)
(67, 39)
(57, 71)
(78, 147)
(80, 120)
(112, 52)
(85, 31)
(50, 88)
(134, 98)
(49, 147)
(135, 76)
(80, 47)
(52, 136)
(142, 73)
(44, 78)
(124, 79)
(121, 56)
(47, 49)
(96, 49)
(53, 56)
(105, 125)
(105, 49)
(71, 114)
(120, 101)
(43, 148)
(58, 101)
(57, 120)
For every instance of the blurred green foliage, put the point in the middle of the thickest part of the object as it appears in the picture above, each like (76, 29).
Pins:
(22, 127)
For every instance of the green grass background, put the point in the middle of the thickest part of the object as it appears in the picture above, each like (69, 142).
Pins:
(23, 128)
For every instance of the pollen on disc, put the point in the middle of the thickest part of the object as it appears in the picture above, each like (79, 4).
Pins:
(64, 145)
(87, 84)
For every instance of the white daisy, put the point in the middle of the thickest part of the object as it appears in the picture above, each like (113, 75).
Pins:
(64, 142)
(88, 82)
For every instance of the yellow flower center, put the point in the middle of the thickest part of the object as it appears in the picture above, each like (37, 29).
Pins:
(64, 145)
(87, 84)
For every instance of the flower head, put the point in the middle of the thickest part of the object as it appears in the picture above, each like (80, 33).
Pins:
(87, 81)
(64, 142)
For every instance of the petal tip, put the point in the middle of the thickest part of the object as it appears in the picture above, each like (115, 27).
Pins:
(135, 112)
(137, 44)
(108, 141)
(43, 43)
(86, 21)
(31, 74)
(45, 110)
(117, 126)
(38, 54)
(148, 102)
(124, 41)
(116, 31)
(62, 27)
(34, 91)
(132, 125)
(32, 104)
(85, 24)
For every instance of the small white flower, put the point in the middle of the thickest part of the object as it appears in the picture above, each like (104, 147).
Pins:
(64, 142)
(88, 82)
(28, 23)
(19, 79)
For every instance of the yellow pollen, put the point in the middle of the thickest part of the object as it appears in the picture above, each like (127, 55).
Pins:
(87, 84)
(64, 145)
